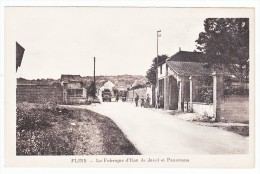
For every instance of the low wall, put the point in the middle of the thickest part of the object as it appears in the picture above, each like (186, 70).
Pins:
(76, 100)
(132, 93)
(39, 93)
(203, 108)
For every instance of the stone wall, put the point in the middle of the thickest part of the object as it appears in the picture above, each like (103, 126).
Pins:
(235, 108)
(39, 93)
(140, 91)
(203, 109)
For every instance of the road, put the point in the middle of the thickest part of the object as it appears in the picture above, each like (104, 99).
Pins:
(155, 133)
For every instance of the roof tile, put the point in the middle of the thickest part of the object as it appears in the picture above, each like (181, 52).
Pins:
(189, 68)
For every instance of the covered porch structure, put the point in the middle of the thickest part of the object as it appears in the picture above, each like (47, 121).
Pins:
(182, 88)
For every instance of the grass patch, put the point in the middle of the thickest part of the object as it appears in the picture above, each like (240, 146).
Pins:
(114, 139)
(51, 130)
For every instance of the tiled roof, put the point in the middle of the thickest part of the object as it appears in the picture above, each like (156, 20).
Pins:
(70, 78)
(188, 68)
(186, 56)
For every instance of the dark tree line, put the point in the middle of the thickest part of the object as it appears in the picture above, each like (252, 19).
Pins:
(225, 42)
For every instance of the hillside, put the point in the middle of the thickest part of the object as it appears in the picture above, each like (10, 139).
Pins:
(119, 80)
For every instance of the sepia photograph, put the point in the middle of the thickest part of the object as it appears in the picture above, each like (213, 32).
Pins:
(130, 86)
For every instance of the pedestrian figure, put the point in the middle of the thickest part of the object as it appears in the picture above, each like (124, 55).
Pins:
(136, 100)
(161, 101)
(148, 101)
(142, 101)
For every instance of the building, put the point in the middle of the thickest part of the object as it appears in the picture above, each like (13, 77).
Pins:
(74, 89)
(178, 79)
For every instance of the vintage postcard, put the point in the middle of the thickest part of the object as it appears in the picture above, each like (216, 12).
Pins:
(129, 87)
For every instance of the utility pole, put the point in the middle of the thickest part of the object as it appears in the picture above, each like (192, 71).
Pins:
(95, 75)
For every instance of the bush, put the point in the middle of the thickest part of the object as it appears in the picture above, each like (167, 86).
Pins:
(205, 90)
(206, 96)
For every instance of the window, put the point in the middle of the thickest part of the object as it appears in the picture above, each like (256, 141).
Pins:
(79, 92)
(74, 92)
(160, 69)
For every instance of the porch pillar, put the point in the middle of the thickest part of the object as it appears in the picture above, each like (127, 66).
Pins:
(218, 94)
(191, 94)
(181, 94)
(166, 89)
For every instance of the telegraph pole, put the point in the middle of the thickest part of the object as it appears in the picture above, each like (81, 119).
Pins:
(95, 75)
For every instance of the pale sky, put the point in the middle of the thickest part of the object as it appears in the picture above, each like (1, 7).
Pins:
(123, 40)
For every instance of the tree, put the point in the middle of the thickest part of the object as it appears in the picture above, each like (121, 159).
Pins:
(91, 89)
(151, 72)
(225, 43)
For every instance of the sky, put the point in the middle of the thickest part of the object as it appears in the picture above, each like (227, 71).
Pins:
(64, 40)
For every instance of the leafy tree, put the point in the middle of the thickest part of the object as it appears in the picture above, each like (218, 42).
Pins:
(91, 89)
(225, 42)
(151, 72)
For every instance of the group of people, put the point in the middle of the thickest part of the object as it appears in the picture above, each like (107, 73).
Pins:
(123, 98)
(145, 102)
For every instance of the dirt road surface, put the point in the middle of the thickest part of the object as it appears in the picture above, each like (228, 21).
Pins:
(155, 133)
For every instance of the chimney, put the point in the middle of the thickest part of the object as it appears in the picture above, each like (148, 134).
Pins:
(179, 49)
